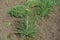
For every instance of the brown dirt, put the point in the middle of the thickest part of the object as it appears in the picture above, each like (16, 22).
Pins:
(49, 27)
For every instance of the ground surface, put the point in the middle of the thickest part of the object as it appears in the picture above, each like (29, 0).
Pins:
(49, 27)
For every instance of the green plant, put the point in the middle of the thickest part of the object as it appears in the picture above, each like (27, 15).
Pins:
(20, 11)
(32, 3)
(42, 8)
(46, 7)
(28, 27)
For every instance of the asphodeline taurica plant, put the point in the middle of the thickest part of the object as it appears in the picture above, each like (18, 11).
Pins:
(42, 8)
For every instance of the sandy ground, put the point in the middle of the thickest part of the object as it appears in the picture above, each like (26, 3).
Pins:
(49, 27)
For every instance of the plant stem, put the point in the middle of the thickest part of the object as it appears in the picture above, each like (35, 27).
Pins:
(27, 22)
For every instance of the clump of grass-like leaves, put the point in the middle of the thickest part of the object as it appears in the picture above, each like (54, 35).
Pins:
(42, 8)
(46, 7)
(28, 27)
(20, 11)
(32, 3)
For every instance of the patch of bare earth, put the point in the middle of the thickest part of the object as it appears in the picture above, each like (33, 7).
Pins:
(49, 27)
(6, 22)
